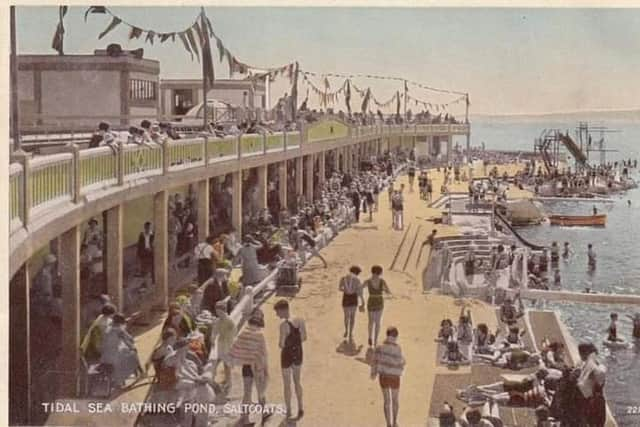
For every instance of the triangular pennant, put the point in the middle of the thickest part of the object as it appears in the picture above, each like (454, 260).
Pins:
(183, 37)
(114, 23)
(192, 43)
(135, 33)
(221, 49)
(166, 36)
(150, 36)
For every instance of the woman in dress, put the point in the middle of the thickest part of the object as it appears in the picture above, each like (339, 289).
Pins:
(119, 351)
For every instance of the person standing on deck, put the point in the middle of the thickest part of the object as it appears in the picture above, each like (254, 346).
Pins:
(204, 256)
(591, 376)
(351, 289)
(388, 364)
(397, 206)
(292, 334)
(145, 252)
(375, 286)
(412, 175)
(566, 251)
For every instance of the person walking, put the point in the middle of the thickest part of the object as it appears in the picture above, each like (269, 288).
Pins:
(145, 252)
(292, 334)
(388, 364)
(375, 286)
(351, 289)
(250, 351)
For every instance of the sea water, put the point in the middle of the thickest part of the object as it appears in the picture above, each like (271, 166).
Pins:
(617, 249)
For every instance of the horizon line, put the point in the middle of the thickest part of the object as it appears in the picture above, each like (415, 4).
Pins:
(612, 110)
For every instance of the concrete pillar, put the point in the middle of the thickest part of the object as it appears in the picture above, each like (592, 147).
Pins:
(19, 348)
(69, 267)
(468, 152)
(308, 193)
(161, 248)
(114, 255)
(282, 184)
(321, 168)
(348, 160)
(262, 186)
(449, 148)
(299, 168)
(236, 203)
(203, 209)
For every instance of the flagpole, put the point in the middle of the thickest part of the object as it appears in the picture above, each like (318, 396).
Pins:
(405, 101)
(15, 119)
(205, 107)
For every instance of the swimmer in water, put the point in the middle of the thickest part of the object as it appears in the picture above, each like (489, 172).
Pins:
(613, 328)
(629, 203)
(636, 325)
(595, 210)
(591, 256)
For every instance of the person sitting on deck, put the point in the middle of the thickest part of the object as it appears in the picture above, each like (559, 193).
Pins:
(483, 341)
(252, 272)
(119, 352)
(470, 262)
(465, 327)
(509, 312)
(179, 320)
(91, 346)
(452, 354)
(489, 416)
(165, 374)
(447, 331)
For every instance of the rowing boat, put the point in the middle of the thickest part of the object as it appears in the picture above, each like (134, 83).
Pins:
(590, 220)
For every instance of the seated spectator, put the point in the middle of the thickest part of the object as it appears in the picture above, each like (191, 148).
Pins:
(447, 331)
(488, 417)
(178, 320)
(119, 352)
(165, 374)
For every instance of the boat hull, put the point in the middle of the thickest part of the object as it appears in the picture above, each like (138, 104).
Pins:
(568, 220)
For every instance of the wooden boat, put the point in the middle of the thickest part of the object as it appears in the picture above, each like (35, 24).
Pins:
(590, 220)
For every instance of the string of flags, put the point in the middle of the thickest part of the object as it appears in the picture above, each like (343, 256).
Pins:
(188, 37)
(326, 98)
(434, 106)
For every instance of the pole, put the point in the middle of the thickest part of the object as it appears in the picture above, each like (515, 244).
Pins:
(466, 113)
(15, 118)
(205, 107)
(405, 101)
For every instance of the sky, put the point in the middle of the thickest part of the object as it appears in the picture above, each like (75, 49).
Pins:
(510, 61)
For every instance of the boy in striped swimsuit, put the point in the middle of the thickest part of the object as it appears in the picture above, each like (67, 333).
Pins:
(388, 365)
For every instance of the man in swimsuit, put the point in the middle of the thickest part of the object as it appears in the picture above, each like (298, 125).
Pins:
(292, 334)
(351, 289)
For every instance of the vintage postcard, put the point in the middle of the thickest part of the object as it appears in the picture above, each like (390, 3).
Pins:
(323, 215)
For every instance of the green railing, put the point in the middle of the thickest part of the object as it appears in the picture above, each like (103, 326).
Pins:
(98, 166)
(15, 192)
(65, 176)
(251, 144)
(275, 142)
(51, 178)
(293, 139)
(142, 159)
(219, 148)
(186, 153)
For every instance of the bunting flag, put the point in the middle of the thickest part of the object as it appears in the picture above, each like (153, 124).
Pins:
(58, 38)
(365, 101)
(294, 93)
(192, 43)
(190, 38)
(135, 33)
(183, 37)
(114, 23)
(150, 36)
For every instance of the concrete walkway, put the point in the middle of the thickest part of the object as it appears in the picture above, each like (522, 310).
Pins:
(337, 388)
